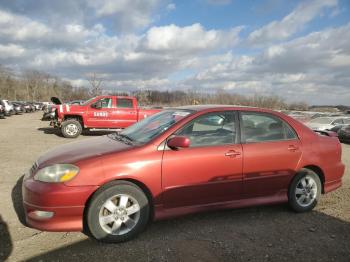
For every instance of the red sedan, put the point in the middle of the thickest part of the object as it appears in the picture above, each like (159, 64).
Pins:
(176, 162)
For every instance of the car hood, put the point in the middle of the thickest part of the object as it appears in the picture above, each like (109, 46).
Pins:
(73, 152)
(56, 100)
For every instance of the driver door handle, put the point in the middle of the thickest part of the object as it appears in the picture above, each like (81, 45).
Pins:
(232, 153)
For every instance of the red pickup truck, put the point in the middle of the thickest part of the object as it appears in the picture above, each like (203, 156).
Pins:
(101, 112)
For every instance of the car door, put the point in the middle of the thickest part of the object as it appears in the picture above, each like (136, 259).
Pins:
(271, 150)
(126, 112)
(210, 170)
(101, 117)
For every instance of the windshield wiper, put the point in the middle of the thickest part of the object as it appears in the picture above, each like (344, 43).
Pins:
(120, 137)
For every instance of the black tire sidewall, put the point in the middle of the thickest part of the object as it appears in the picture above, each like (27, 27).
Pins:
(69, 122)
(119, 187)
(291, 192)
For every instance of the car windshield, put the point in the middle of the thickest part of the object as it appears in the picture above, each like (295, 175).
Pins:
(321, 120)
(88, 101)
(151, 127)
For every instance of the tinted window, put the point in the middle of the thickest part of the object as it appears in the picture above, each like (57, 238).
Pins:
(346, 121)
(263, 127)
(337, 122)
(124, 103)
(211, 129)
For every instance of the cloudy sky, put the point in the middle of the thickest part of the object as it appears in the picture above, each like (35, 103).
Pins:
(299, 50)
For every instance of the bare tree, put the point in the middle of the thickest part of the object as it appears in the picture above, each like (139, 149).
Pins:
(95, 83)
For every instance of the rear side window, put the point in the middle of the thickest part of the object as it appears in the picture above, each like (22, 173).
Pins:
(338, 122)
(346, 121)
(258, 127)
(211, 129)
(124, 103)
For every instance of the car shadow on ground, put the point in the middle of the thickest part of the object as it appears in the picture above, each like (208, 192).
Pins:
(51, 131)
(266, 233)
(17, 199)
(57, 132)
(6, 245)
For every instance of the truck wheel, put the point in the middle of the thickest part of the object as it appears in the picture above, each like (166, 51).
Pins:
(71, 128)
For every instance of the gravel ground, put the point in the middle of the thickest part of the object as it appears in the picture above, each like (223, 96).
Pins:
(268, 233)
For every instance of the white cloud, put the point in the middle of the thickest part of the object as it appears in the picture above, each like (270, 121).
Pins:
(19, 28)
(191, 38)
(314, 68)
(171, 7)
(126, 14)
(219, 2)
(290, 24)
(11, 51)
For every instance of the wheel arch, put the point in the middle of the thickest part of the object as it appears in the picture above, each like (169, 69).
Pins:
(141, 185)
(77, 117)
(319, 172)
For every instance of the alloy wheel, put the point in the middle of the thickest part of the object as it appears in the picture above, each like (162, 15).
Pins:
(119, 214)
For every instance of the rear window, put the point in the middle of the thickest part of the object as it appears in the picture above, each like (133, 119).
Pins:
(124, 103)
(258, 127)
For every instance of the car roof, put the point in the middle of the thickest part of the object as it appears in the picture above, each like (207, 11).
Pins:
(198, 108)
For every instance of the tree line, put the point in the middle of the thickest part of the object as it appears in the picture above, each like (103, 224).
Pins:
(33, 85)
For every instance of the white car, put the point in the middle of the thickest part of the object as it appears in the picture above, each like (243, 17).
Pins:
(9, 109)
(327, 123)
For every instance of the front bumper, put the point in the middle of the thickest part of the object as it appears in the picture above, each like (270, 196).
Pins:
(64, 202)
(55, 123)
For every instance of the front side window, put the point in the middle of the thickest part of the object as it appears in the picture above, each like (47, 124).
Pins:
(106, 102)
(211, 129)
(124, 103)
(257, 127)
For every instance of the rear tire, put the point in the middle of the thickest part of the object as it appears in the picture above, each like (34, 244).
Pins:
(304, 191)
(117, 212)
(71, 128)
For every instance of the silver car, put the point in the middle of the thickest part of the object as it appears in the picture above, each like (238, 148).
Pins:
(327, 123)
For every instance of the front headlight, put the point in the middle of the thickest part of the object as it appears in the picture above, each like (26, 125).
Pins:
(57, 173)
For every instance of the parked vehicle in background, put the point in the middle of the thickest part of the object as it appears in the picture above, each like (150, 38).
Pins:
(49, 113)
(38, 105)
(2, 111)
(101, 112)
(180, 161)
(327, 123)
(18, 107)
(8, 107)
(344, 134)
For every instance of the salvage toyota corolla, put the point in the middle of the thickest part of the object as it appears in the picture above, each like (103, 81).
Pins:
(176, 162)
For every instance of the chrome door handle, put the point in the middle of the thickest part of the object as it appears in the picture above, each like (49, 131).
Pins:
(232, 153)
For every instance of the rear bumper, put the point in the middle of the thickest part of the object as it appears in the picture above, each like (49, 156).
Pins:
(66, 204)
(336, 174)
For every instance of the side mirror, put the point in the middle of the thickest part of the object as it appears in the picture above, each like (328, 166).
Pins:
(178, 142)
(97, 105)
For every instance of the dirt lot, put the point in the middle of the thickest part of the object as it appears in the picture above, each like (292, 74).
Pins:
(270, 233)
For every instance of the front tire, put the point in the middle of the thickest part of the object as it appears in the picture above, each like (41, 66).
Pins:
(117, 212)
(304, 191)
(71, 128)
